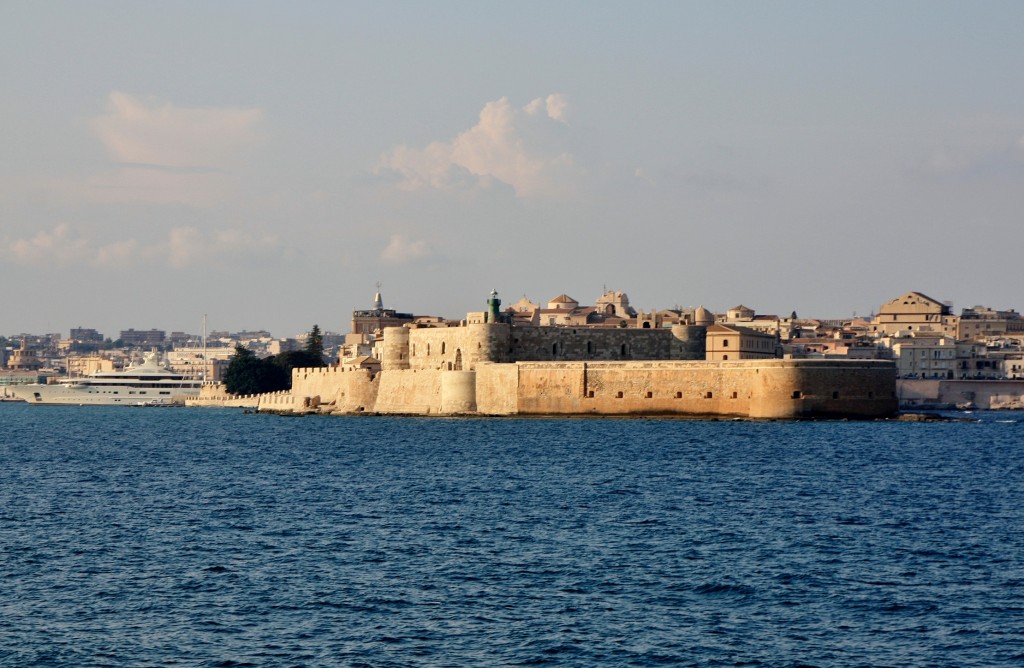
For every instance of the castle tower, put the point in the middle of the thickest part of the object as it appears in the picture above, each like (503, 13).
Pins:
(395, 352)
(692, 341)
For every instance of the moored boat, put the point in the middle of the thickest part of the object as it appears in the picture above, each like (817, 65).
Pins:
(149, 383)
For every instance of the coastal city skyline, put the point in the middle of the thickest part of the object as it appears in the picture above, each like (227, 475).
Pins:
(267, 164)
(339, 323)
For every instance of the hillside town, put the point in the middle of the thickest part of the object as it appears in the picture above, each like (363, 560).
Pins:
(920, 334)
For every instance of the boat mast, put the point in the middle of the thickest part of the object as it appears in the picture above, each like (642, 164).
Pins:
(205, 361)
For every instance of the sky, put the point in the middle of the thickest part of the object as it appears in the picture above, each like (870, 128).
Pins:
(267, 164)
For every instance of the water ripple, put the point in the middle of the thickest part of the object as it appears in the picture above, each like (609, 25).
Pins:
(213, 538)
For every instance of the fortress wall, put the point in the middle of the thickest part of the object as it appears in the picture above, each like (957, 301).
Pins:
(918, 392)
(458, 392)
(759, 389)
(413, 391)
(350, 390)
(985, 394)
(276, 401)
(631, 388)
(823, 388)
(585, 344)
(753, 388)
(497, 389)
(216, 396)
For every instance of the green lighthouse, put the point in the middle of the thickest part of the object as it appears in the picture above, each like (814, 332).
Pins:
(493, 306)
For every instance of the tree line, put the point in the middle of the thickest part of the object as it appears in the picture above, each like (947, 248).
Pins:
(247, 374)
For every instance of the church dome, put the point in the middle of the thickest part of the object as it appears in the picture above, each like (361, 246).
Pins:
(703, 317)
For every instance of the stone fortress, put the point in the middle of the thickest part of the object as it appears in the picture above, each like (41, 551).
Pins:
(540, 362)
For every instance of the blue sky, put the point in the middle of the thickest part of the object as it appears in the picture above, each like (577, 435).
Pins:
(269, 163)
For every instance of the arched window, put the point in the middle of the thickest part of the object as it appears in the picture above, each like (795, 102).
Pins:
(624, 349)
(443, 346)
(554, 349)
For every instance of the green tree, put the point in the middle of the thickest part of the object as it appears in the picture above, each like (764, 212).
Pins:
(311, 356)
(246, 374)
(315, 344)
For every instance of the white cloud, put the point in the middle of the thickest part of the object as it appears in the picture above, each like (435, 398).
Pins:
(554, 106)
(401, 250)
(974, 158)
(184, 247)
(170, 154)
(517, 147)
(58, 245)
(188, 246)
(118, 254)
(149, 132)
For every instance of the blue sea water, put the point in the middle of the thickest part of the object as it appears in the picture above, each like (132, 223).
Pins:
(204, 537)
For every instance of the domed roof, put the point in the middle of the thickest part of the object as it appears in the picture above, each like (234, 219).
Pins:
(703, 317)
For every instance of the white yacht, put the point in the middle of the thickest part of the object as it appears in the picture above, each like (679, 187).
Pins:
(146, 384)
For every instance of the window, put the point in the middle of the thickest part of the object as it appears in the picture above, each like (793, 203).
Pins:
(709, 395)
(725, 357)
(835, 395)
(725, 343)
(679, 395)
(618, 395)
(650, 395)
(797, 394)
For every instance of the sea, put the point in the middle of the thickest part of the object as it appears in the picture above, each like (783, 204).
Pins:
(213, 537)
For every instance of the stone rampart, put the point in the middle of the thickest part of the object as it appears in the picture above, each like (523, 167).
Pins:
(497, 389)
(409, 392)
(780, 389)
(464, 348)
(757, 389)
(983, 394)
(213, 395)
(557, 344)
(458, 392)
(284, 402)
(335, 389)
